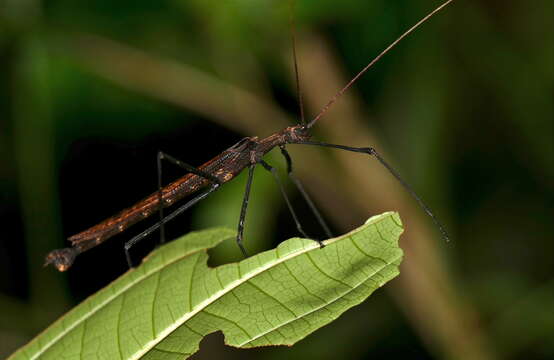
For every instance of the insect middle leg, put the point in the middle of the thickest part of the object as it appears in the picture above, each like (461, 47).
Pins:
(303, 192)
(243, 209)
(187, 167)
(273, 171)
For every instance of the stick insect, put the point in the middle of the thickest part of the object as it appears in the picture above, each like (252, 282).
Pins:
(210, 176)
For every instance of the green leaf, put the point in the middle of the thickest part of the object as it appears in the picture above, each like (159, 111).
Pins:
(163, 308)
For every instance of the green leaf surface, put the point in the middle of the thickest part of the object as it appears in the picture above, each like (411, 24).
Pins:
(163, 308)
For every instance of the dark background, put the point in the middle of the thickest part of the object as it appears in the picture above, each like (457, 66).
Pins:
(90, 91)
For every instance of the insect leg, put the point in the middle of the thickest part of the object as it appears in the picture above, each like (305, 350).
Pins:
(304, 193)
(169, 217)
(243, 209)
(273, 172)
(372, 152)
(189, 168)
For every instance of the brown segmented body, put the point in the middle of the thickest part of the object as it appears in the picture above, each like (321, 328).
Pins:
(224, 166)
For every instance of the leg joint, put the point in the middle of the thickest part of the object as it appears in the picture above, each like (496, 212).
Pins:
(371, 150)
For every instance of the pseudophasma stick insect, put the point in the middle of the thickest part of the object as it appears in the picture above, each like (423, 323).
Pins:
(208, 177)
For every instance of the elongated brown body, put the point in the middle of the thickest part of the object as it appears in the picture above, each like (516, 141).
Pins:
(220, 166)
(224, 167)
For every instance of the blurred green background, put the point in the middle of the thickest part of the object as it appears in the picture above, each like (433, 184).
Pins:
(90, 91)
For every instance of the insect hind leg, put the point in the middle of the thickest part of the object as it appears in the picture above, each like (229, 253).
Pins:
(163, 156)
(243, 209)
(129, 244)
(162, 220)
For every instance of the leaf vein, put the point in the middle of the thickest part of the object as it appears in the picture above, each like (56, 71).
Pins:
(324, 305)
(270, 296)
(118, 330)
(228, 320)
(192, 281)
(172, 352)
(156, 289)
(302, 284)
(365, 253)
(83, 339)
(324, 273)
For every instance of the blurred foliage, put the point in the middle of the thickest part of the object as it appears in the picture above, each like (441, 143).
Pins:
(463, 107)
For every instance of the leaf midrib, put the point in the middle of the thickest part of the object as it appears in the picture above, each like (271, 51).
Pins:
(203, 304)
(232, 285)
(109, 299)
(352, 288)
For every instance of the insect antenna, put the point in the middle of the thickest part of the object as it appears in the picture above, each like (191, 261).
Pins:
(372, 62)
(382, 161)
(292, 25)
